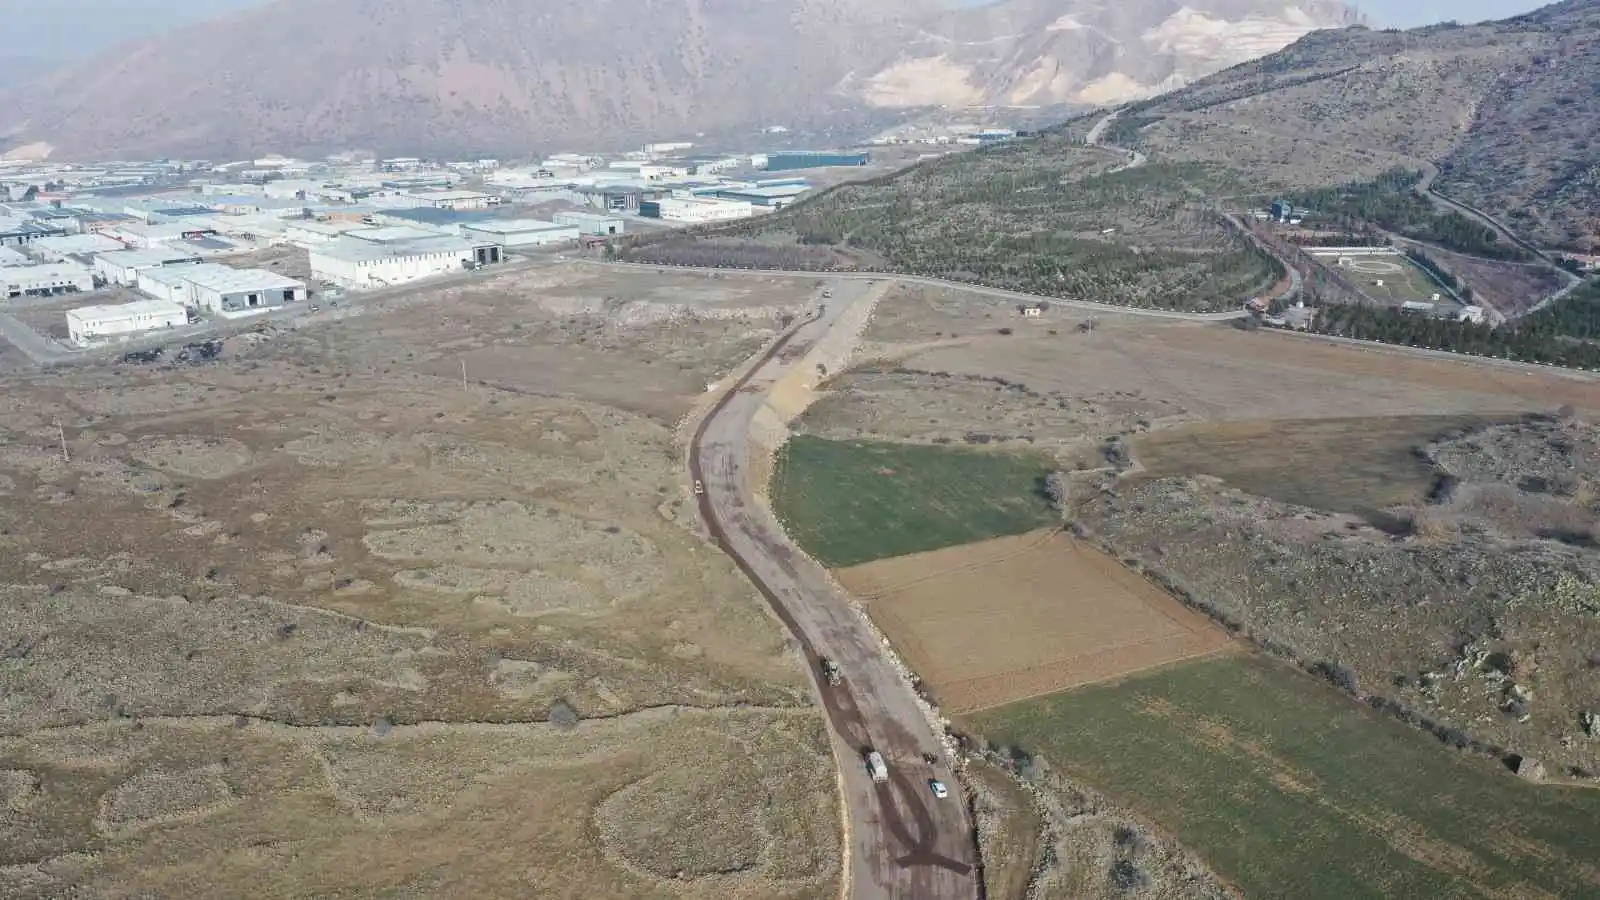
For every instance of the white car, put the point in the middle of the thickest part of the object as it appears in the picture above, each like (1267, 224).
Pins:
(699, 488)
(938, 788)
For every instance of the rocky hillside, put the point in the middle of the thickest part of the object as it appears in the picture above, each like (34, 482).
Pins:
(1049, 52)
(1508, 111)
(509, 76)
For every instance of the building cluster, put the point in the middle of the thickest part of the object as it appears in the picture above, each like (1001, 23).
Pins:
(173, 230)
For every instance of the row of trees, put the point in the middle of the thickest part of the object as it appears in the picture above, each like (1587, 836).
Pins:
(1576, 315)
(1528, 341)
(1461, 288)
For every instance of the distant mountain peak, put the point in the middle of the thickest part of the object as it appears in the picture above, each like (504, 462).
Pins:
(439, 76)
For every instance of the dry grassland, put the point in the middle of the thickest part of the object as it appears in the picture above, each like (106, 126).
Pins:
(292, 624)
(1341, 465)
(1003, 620)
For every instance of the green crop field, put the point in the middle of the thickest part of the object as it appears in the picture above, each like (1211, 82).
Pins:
(1289, 789)
(851, 502)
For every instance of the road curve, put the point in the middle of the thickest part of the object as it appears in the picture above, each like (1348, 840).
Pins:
(1425, 187)
(903, 843)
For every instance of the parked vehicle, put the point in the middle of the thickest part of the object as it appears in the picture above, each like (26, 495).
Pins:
(938, 788)
(698, 487)
(876, 766)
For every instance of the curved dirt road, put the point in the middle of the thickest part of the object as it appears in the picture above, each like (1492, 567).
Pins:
(903, 843)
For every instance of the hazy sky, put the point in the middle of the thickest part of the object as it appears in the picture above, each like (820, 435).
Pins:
(78, 27)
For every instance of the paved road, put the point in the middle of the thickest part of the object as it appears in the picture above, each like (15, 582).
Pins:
(1296, 282)
(903, 843)
(980, 290)
(1092, 139)
(1425, 187)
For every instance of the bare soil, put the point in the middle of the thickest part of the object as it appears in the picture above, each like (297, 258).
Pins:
(292, 623)
(992, 623)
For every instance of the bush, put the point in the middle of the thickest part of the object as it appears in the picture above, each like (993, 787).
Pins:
(563, 716)
(1338, 675)
(1126, 876)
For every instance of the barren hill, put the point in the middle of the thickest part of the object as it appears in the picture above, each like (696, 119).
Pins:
(1509, 112)
(502, 75)
(1049, 52)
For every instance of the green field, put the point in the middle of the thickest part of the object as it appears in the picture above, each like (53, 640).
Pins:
(1403, 280)
(851, 502)
(1289, 789)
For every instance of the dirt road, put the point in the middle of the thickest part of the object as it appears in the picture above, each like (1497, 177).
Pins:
(903, 842)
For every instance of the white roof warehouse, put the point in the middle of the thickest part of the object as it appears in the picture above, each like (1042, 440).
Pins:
(91, 324)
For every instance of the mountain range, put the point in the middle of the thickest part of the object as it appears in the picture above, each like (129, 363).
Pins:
(503, 75)
(1507, 113)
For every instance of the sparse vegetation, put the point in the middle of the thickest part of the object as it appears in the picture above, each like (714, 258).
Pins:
(1028, 216)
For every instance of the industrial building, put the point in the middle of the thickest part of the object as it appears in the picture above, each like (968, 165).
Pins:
(456, 200)
(354, 262)
(773, 197)
(303, 232)
(232, 293)
(169, 285)
(96, 324)
(521, 232)
(123, 266)
(431, 219)
(44, 280)
(59, 249)
(222, 290)
(590, 223)
(15, 232)
(619, 198)
(696, 210)
(789, 160)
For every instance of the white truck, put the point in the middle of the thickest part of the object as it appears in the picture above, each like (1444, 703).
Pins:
(876, 766)
(830, 671)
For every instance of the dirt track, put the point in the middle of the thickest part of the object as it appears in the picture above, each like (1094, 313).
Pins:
(903, 843)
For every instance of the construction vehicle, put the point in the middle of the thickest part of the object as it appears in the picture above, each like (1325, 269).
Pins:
(830, 671)
(876, 766)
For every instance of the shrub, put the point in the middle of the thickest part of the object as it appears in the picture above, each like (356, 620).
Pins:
(563, 715)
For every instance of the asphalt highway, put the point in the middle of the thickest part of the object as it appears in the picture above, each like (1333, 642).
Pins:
(903, 843)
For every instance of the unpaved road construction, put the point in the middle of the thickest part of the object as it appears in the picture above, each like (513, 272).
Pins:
(902, 842)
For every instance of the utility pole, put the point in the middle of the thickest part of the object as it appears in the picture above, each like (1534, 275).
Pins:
(61, 431)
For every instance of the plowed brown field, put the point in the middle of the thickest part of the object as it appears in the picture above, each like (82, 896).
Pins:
(999, 621)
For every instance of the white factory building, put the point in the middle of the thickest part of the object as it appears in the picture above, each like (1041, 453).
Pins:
(231, 292)
(43, 280)
(221, 290)
(457, 200)
(123, 266)
(96, 324)
(590, 223)
(696, 210)
(357, 262)
(520, 232)
(59, 248)
(306, 232)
